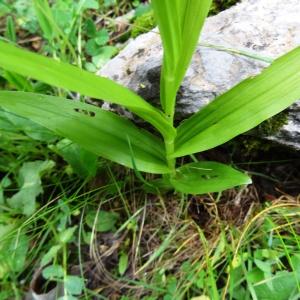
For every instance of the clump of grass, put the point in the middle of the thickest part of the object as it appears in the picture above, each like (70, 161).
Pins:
(160, 246)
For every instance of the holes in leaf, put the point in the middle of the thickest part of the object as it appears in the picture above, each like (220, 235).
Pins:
(85, 112)
(185, 175)
(209, 177)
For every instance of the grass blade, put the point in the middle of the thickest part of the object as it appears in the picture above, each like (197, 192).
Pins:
(98, 131)
(243, 107)
(72, 78)
(10, 32)
(45, 18)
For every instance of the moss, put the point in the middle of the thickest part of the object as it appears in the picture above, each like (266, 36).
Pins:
(143, 24)
(253, 144)
(146, 22)
(273, 125)
(219, 5)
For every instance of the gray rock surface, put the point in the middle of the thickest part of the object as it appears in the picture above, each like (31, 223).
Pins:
(267, 28)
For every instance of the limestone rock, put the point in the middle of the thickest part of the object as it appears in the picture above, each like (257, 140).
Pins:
(267, 28)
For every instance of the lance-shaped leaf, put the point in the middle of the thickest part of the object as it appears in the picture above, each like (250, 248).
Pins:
(243, 107)
(168, 17)
(98, 131)
(207, 177)
(193, 15)
(72, 78)
(180, 23)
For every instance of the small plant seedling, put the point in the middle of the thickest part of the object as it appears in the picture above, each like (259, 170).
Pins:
(113, 137)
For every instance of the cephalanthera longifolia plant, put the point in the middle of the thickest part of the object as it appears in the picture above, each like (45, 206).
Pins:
(118, 139)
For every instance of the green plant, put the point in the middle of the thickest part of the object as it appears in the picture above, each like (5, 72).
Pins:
(219, 5)
(142, 24)
(115, 138)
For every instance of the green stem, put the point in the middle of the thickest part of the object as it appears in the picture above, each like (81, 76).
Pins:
(169, 144)
(169, 94)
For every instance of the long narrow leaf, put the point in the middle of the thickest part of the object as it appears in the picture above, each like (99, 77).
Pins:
(243, 107)
(193, 17)
(98, 131)
(180, 23)
(168, 17)
(72, 78)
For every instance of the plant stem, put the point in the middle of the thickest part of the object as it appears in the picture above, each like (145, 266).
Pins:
(168, 93)
(169, 144)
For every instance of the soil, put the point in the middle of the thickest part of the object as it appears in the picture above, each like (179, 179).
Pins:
(276, 177)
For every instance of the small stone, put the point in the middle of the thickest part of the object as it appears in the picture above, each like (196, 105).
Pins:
(268, 28)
